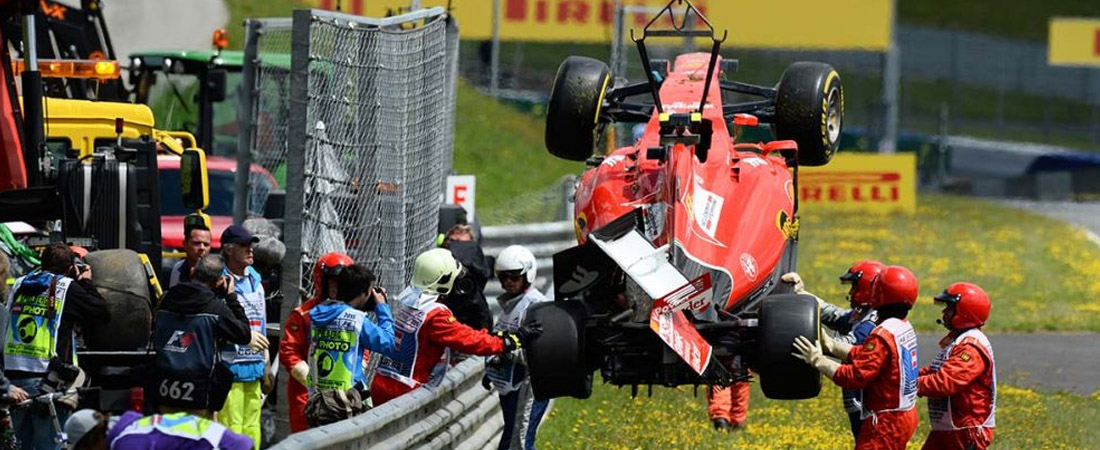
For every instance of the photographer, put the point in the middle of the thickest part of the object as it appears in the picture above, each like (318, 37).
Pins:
(45, 306)
(340, 333)
(194, 318)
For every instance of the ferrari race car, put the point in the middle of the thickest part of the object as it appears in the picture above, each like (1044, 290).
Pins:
(684, 235)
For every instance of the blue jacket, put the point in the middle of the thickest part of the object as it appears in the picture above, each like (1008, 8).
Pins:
(376, 338)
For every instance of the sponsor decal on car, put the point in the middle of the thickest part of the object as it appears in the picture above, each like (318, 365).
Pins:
(749, 267)
(708, 209)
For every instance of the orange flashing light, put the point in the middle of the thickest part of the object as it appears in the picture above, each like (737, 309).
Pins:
(72, 68)
(220, 39)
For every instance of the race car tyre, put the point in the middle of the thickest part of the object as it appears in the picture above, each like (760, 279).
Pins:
(556, 358)
(809, 109)
(574, 108)
(782, 318)
(119, 279)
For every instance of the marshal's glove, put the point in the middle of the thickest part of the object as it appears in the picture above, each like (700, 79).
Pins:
(798, 286)
(834, 347)
(811, 353)
(259, 342)
(300, 372)
(512, 341)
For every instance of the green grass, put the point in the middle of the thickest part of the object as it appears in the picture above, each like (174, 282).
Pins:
(1041, 274)
(673, 418)
(504, 148)
(239, 10)
(1021, 19)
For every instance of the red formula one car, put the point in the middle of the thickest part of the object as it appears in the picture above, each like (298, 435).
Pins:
(684, 235)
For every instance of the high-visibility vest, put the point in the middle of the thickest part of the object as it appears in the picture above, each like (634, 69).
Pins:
(36, 305)
(334, 350)
(905, 341)
(939, 408)
(181, 425)
(508, 375)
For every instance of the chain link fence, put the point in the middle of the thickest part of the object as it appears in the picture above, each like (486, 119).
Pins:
(354, 117)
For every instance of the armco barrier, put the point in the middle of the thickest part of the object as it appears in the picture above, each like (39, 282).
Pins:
(459, 414)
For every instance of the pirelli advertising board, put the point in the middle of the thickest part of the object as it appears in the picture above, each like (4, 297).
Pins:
(809, 24)
(1074, 41)
(861, 182)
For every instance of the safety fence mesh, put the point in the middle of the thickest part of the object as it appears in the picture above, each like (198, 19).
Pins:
(270, 111)
(378, 124)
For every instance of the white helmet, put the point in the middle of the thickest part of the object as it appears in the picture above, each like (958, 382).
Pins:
(436, 271)
(517, 257)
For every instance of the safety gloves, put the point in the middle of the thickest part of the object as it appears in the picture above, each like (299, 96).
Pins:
(515, 341)
(834, 347)
(795, 279)
(259, 342)
(811, 353)
(300, 372)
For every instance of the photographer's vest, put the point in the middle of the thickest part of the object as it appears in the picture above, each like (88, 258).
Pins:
(905, 343)
(407, 323)
(939, 408)
(181, 425)
(36, 305)
(252, 299)
(334, 351)
(508, 375)
(186, 357)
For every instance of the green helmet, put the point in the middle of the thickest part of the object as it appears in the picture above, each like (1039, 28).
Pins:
(436, 271)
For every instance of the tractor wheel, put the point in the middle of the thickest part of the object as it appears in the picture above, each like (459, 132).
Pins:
(809, 109)
(120, 280)
(782, 318)
(574, 109)
(556, 358)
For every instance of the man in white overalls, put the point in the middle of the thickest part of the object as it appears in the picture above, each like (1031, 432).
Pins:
(961, 384)
(515, 268)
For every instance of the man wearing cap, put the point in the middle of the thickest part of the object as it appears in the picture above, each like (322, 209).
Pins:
(248, 363)
(91, 430)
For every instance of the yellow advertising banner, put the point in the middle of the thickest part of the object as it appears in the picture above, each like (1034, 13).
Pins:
(861, 182)
(1074, 42)
(811, 24)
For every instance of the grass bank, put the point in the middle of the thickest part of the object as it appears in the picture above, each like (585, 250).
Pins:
(675, 419)
(1042, 274)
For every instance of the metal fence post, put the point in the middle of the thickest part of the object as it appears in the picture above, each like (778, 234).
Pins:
(245, 107)
(891, 78)
(494, 58)
(295, 179)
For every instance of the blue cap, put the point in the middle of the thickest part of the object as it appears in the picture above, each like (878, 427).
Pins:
(237, 234)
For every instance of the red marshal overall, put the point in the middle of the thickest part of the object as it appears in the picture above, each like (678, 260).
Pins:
(961, 386)
(886, 369)
(426, 332)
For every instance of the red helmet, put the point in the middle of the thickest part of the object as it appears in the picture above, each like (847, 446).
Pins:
(860, 276)
(972, 305)
(896, 284)
(328, 265)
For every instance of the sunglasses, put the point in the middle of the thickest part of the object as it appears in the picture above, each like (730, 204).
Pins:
(510, 276)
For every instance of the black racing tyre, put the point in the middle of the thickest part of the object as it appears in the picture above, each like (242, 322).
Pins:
(119, 278)
(574, 108)
(782, 318)
(556, 358)
(809, 109)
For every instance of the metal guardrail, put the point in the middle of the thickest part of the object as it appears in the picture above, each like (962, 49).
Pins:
(459, 414)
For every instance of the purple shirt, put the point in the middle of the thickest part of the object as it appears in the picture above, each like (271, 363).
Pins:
(156, 440)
